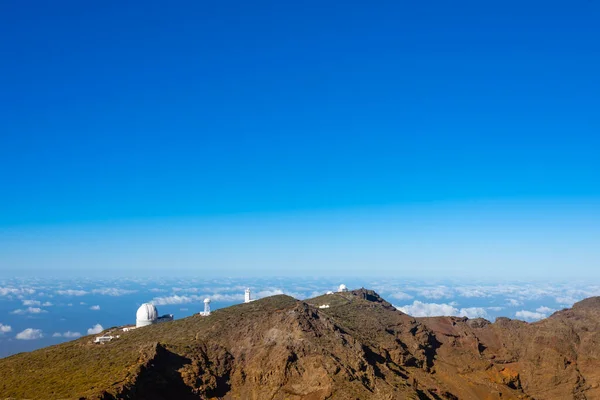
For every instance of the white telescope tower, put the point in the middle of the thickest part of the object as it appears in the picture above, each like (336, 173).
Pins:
(206, 312)
(247, 298)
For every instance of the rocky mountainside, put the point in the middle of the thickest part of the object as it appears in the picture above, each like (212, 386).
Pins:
(360, 347)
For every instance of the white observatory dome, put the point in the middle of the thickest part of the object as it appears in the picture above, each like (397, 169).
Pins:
(146, 315)
(342, 288)
(207, 300)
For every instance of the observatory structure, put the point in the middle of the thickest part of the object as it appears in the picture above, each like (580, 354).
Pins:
(147, 314)
(342, 288)
(206, 311)
(247, 298)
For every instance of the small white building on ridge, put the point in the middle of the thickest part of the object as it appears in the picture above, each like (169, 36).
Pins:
(104, 339)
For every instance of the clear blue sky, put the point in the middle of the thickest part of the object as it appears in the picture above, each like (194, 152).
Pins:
(167, 122)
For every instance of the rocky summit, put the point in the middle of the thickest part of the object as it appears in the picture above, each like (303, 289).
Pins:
(360, 347)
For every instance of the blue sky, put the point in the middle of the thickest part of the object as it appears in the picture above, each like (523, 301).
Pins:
(263, 138)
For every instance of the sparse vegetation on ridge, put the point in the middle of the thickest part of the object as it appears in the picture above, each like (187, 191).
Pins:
(359, 347)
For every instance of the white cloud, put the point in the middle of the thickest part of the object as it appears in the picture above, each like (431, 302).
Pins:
(401, 296)
(185, 290)
(12, 291)
(67, 334)
(514, 302)
(161, 301)
(95, 329)
(29, 310)
(6, 291)
(30, 334)
(420, 309)
(72, 292)
(545, 310)
(31, 302)
(472, 292)
(567, 300)
(95, 308)
(435, 292)
(113, 291)
(82, 303)
(566, 294)
(230, 297)
(495, 308)
(47, 304)
(192, 298)
(473, 312)
(530, 315)
(5, 328)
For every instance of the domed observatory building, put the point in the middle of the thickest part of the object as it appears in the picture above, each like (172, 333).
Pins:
(147, 314)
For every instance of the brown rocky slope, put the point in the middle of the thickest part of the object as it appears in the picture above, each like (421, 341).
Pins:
(360, 347)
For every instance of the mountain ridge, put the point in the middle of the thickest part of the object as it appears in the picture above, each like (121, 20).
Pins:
(359, 347)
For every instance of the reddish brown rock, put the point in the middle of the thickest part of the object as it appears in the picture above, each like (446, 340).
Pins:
(360, 347)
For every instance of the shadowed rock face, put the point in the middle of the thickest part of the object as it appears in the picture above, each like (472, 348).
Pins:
(360, 347)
